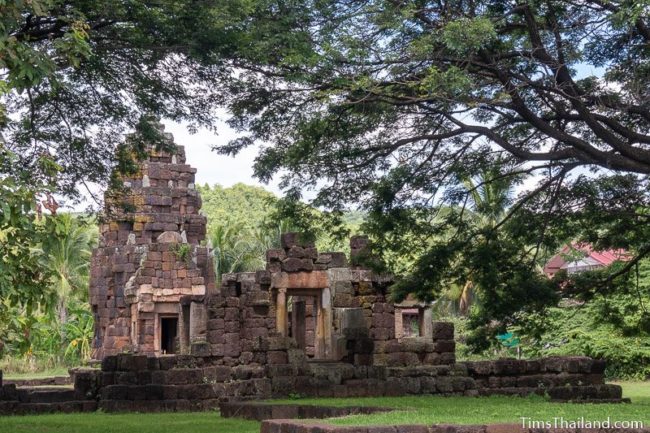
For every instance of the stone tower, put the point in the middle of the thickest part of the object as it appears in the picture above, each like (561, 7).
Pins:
(150, 274)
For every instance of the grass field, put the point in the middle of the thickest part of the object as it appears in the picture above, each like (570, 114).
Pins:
(204, 422)
(410, 410)
(59, 371)
(637, 391)
(464, 410)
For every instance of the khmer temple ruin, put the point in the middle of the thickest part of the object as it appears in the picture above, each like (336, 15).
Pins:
(153, 291)
(311, 324)
(149, 259)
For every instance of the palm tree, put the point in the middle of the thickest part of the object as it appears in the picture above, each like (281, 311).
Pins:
(234, 249)
(237, 248)
(67, 256)
(490, 194)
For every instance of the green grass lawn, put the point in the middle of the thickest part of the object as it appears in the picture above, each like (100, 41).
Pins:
(204, 422)
(637, 391)
(467, 410)
(410, 410)
(59, 371)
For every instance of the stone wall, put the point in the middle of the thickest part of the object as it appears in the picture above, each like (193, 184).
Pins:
(439, 349)
(128, 383)
(192, 383)
(183, 383)
(561, 378)
(357, 320)
(44, 381)
(173, 383)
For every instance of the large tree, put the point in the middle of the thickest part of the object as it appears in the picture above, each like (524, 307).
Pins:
(76, 75)
(461, 75)
(389, 104)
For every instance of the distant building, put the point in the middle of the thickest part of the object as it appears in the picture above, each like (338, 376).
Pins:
(576, 257)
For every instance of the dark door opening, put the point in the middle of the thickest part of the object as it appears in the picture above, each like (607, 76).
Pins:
(168, 334)
(302, 323)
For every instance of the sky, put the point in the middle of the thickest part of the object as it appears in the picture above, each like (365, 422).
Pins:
(214, 168)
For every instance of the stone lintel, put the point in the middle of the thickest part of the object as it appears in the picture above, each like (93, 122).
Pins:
(300, 280)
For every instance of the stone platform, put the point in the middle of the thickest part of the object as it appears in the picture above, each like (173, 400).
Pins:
(189, 383)
(41, 381)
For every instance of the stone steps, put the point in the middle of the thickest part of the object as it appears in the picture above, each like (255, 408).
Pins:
(32, 395)
(20, 408)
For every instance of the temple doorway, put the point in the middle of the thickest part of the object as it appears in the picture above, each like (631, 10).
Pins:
(313, 304)
(168, 335)
(302, 323)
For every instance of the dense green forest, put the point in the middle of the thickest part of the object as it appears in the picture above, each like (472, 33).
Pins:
(243, 222)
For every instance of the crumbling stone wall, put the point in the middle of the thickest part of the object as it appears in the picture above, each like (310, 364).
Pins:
(183, 383)
(16, 400)
(149, 257)
(561, 378)
(135, 382)
(179, 383)
(359, 320)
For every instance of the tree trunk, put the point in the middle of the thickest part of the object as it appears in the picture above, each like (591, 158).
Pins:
(62, 311)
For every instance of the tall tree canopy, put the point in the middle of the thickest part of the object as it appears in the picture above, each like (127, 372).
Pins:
(389, 104)
(443, 81)
(75, 75)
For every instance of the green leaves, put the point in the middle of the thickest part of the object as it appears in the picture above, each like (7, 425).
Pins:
(468, 36)
(74, 46)
(22, 280)
(28, 62)
(409, 99)
(244, 221)
(80, 74)
(79, 331)
(628, 13)
(43, 270)
(614, 326)
(240, 229)
(450, 83)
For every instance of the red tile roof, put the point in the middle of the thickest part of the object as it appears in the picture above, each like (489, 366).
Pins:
(605, 258)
